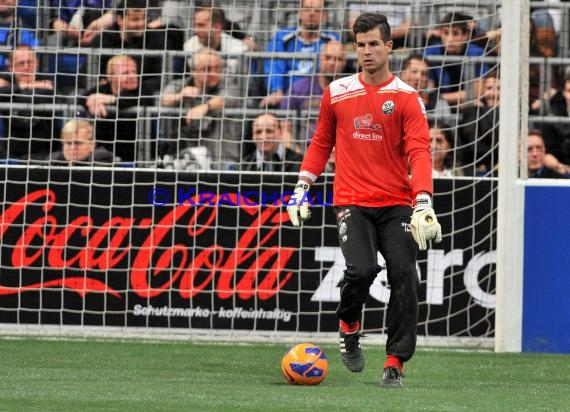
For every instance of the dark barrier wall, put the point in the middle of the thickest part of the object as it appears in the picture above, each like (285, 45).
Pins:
(137, 248)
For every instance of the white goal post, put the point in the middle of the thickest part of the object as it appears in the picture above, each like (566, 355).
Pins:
(512, 154)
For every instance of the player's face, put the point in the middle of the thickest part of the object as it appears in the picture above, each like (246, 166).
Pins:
(77, 146)
(266, 134)
(416, 74)
(535, 153)
(372, 51)
(454, 39)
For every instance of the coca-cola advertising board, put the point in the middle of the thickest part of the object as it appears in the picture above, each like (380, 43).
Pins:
(138, 248)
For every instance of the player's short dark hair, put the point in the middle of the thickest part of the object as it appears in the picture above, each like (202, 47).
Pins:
(370, 21)
(457, 19)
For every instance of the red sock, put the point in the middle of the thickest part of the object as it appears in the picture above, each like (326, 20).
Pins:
(392, 360)
(352, 327)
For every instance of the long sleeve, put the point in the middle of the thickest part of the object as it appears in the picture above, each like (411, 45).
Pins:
(323, 141)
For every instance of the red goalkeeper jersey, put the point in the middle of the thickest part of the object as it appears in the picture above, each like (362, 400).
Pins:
(380, 134)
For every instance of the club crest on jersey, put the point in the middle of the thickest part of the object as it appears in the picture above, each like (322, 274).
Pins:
(388, 107)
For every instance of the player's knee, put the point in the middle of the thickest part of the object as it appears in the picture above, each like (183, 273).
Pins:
(362, 273)
(405, 275)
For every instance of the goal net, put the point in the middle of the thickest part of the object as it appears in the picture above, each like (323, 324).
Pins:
(157, 219)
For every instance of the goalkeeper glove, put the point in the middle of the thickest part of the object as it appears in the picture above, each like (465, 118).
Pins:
(424, 222)
(298, 206)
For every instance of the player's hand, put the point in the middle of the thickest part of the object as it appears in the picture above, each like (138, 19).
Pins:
(298, 206)
(424, 222)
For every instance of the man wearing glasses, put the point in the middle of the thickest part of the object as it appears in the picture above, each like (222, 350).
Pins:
(79, 147)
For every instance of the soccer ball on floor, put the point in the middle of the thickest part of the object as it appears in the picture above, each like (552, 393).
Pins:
(305, 364)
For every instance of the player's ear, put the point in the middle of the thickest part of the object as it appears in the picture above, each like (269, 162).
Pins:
(389, 45)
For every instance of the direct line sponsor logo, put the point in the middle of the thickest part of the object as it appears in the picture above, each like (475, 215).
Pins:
(366, 129)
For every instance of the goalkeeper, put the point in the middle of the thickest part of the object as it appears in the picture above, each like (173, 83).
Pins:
(378, 127)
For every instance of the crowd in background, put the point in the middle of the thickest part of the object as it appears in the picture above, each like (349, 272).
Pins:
(197, 86)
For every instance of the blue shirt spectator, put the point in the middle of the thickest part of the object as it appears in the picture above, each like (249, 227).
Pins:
(13, 31)
(306, 38)
(289, 40)
(73, 23)
(452, 74)
(455, 40)
(27, 11)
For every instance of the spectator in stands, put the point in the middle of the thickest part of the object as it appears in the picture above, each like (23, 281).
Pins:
(27, 12)
(553, 11)
(29, 131)
(415, 72)
(553, 163)
(304, 97)
(243, 21)
(479, 129)
(171, 13)
(270, 155)
(130, 32)
(13, 31)
(542, 43)
(242, 17)
(557, 135)
(116, 129)
(74, 22)
(451, 76)
(79, 148)
(308, 37)
(484, 28)
(209, 33)
(80, 20)
(172, 31)
(535, 157)
(543, 33)
(442, 153)
(204, 97)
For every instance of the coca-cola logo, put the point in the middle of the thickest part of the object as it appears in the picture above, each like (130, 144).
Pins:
(38, 236)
